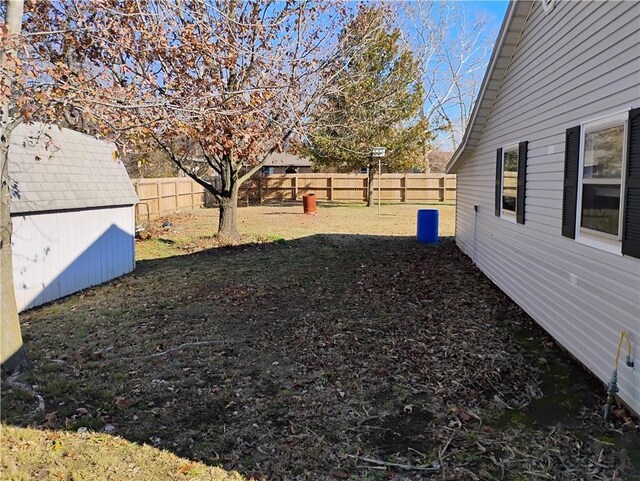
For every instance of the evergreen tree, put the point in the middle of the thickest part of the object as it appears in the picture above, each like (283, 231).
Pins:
(376, 100)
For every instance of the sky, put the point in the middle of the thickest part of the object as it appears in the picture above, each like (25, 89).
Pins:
(495, 8)
(493, 12)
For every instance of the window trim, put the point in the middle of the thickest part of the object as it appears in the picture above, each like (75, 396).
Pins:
(590, 237)
(509, 215)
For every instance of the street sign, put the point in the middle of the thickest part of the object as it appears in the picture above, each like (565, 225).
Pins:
(378, 152)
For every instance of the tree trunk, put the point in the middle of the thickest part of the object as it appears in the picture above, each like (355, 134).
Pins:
(12, 353)
(371, 174)
(227, 225)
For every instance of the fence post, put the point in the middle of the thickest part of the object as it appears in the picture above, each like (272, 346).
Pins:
(176, 183)
(260, 189)
(157, 196)
(403, 185)
(295, 187)
(160, 197)
(444, 188)
(366, 188)
(330, 193)
(135, 188)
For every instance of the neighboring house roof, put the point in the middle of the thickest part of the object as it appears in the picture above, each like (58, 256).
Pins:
(52, 168)
(286, 160)
(503, 52)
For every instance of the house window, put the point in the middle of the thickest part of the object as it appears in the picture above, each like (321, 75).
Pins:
(601, 179)
(509, 182)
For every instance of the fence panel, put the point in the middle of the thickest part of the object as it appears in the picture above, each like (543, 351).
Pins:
(168, 195)
(349, 187)
(353, 187)
(165, 196)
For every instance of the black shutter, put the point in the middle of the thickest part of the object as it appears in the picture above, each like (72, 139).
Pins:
(498, 181)
(631, 222)
(522, 180)
(570, 195)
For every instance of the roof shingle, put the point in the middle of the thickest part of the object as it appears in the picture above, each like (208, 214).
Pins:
(52, 168)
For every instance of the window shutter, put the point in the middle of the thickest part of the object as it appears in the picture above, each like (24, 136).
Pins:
(631, 222)
(498, 181)
(570, 194)
(522, 180)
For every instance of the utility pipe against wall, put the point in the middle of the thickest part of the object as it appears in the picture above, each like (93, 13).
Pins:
(612, 387)
(475, 221)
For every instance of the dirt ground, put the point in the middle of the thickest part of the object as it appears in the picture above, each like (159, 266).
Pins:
(327, 347)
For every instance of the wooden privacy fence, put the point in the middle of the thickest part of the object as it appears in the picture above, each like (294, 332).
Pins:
(351, 188)
(165, 196)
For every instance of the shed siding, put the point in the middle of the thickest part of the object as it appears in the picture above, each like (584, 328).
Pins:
(57, 254)
(577, 63)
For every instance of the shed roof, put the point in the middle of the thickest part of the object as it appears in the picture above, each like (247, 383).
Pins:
(503, 52)
(53, 169)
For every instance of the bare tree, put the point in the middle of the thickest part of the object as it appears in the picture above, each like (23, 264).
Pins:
(220, 82)
(453, 48)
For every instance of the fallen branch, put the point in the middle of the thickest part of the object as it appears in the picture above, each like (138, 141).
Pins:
(442, 450)
(168, 351)
(370, 418)
(406, 467)
(377, 468)
(538, 474)
(12, 382)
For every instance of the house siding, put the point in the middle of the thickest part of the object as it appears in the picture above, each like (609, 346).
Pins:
(575, 64)
(58, 253)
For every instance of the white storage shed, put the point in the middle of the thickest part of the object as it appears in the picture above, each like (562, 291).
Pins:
(548, 177)
(72, 207)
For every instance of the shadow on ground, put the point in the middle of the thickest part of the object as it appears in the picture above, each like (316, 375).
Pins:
(328, 357)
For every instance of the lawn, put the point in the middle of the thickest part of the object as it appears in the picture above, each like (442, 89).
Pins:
(193, 231)
(325, 347)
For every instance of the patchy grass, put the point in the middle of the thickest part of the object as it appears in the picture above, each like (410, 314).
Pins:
(193, 232)
(316, 356)
(57, 455)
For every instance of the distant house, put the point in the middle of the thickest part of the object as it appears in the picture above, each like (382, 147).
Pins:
(72, 207)
(285, 163)
(548, 176)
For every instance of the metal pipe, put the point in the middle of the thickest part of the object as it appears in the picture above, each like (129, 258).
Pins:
(379, 183)
(148, 211)
(612, 387)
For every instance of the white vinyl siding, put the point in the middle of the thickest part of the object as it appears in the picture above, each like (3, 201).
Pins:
(579, 62)
(56, 254)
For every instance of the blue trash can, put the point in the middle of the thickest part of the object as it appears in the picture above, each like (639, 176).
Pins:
(427, 226)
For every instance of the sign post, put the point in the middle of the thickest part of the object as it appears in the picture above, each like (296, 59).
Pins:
(379, 152)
